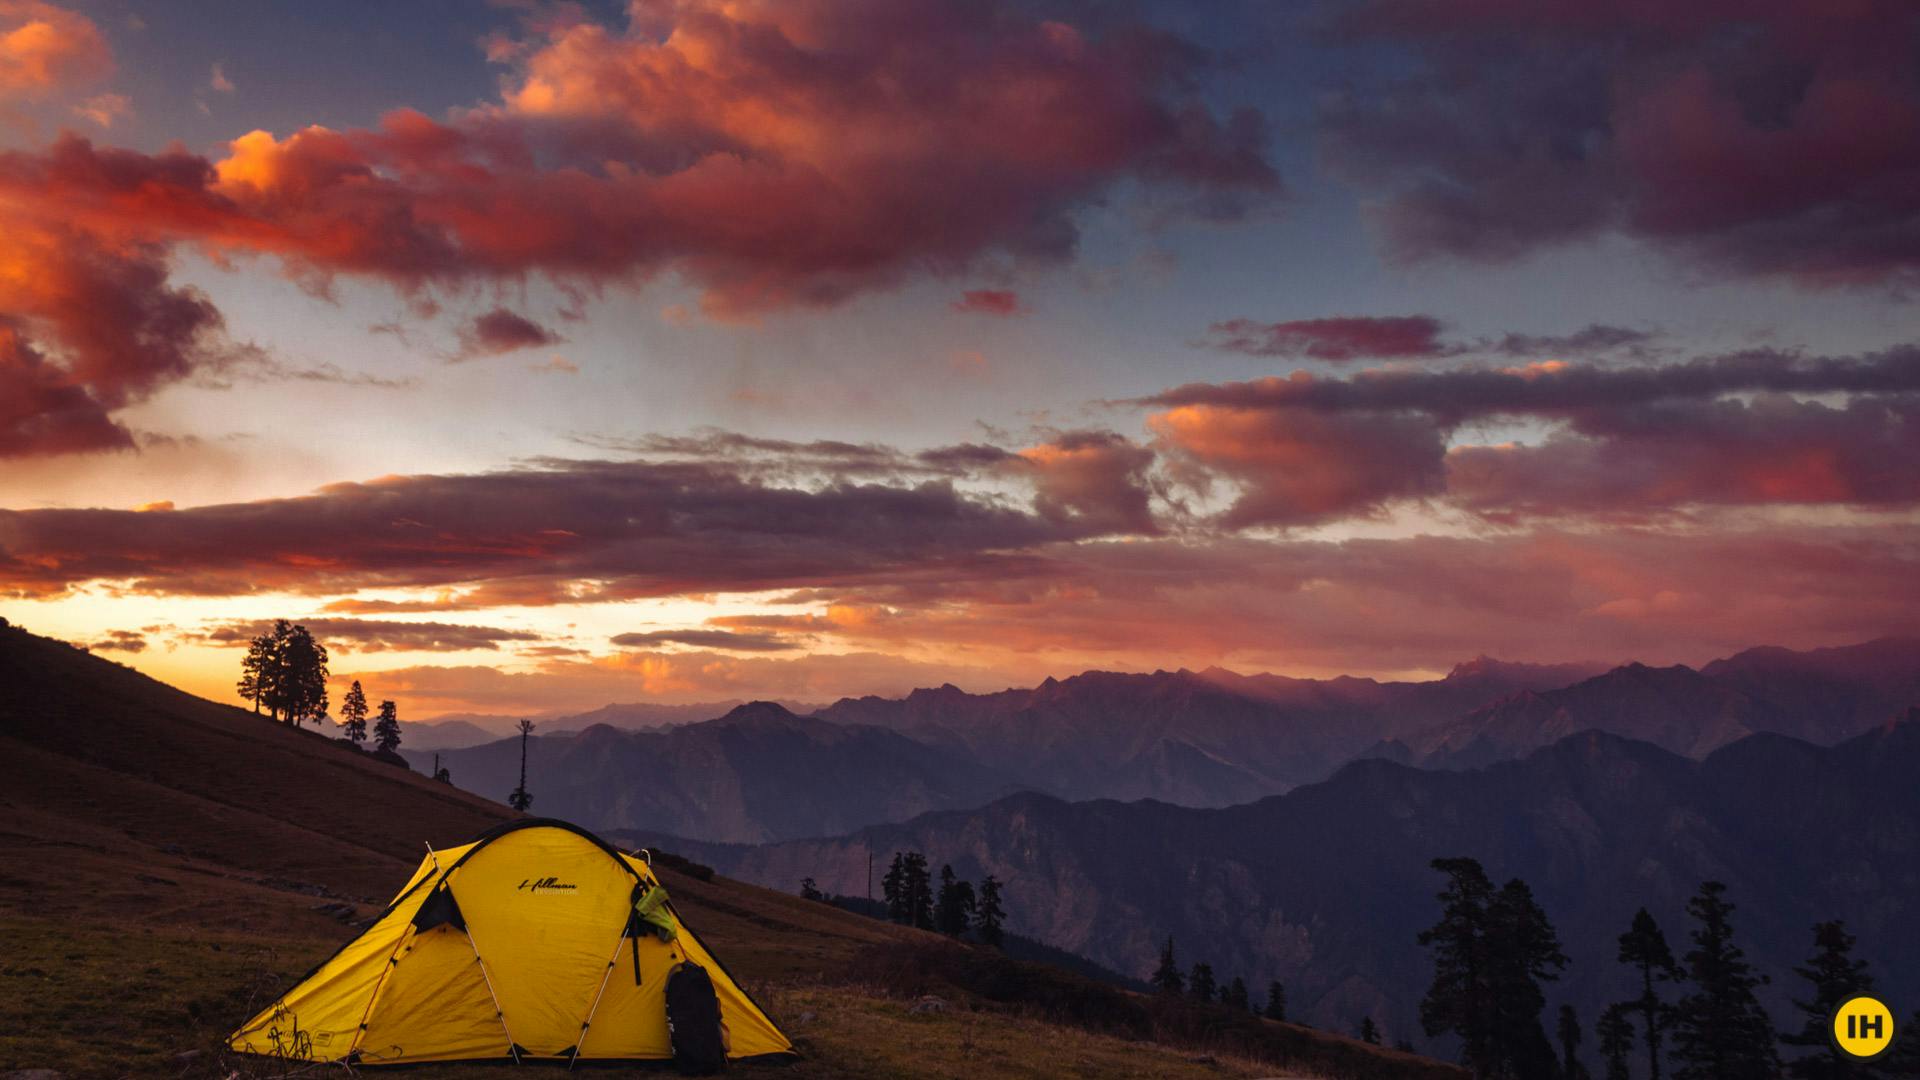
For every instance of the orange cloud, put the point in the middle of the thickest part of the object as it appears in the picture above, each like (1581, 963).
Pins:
(1295, 466)
(45, 49)
(773, 155)
(562, 685)
(1299, 607)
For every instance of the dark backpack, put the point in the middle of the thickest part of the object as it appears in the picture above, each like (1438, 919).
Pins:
(693, 1021)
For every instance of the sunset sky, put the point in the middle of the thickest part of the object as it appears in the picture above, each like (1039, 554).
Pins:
(541, 355)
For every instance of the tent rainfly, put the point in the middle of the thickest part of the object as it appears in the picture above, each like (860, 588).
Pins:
(537, 942)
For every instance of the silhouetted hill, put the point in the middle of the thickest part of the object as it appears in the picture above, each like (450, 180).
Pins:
(447, 735)
(1326, 887)
(641, 715)
(758, 773)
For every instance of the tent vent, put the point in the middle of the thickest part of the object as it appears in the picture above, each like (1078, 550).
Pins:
(439, 909)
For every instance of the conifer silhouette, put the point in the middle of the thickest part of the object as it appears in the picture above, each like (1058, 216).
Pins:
(990, 916)
(386, 730)
(521, 799)
(1721, 1032)
(1166, 977)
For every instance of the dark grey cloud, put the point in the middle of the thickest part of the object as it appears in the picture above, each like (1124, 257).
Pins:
(709, 639)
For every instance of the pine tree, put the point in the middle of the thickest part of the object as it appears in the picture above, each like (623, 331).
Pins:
(386, 730)
(1166, 977)
(918, 891)
(1904, 1058)
(271, 680)
(257, 670)
(809, 890)
(1836, 976)
(353, 714)
(1721, 1033)
(1369, 1033)
(989, 916)
(1235, 995)
(1644, 947)
(1460, 1000)
(1276, 1002)
(301, 689)
(1615, 1033)
(1200, 984)
(520, 798)
(1523, 951)
(894, 888)
(954, 910)
(1568, 1032)
(1492, 950)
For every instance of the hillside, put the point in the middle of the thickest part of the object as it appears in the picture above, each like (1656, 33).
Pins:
(167, 864)
(758, 773)
(1327, 886)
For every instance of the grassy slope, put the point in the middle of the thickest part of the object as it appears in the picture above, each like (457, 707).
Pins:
(164, 861)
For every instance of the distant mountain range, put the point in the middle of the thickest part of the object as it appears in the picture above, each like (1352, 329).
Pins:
(1822, 696)
(758, 773)
(1326, 887)
(455, 730)
(1207, 739)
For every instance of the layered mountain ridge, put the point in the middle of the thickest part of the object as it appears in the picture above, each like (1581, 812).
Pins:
(1326, 887)
(1211, 738)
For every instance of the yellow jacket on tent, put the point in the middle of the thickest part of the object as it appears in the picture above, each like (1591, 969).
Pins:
(523, 945)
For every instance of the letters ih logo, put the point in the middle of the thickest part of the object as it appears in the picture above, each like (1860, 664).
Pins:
(1863, 1027)
(545, 884)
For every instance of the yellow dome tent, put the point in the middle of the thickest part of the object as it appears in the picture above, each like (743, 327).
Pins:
(538, 941)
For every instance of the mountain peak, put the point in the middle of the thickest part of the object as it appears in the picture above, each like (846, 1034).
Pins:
(945, 691)
(1478, 667)
(760, 713)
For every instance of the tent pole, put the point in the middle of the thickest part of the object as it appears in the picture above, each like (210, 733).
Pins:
(580, 1044)
(366, 1015)
(513, 1048)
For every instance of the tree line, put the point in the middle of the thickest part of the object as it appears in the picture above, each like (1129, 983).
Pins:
(1698, 1013)
(285, 675)
(1695, 1016)
(1201, 985)
(957, 910)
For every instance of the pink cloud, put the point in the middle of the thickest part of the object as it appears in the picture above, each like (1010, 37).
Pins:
(503, 331)
(1298, 467)
(1001, 302)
